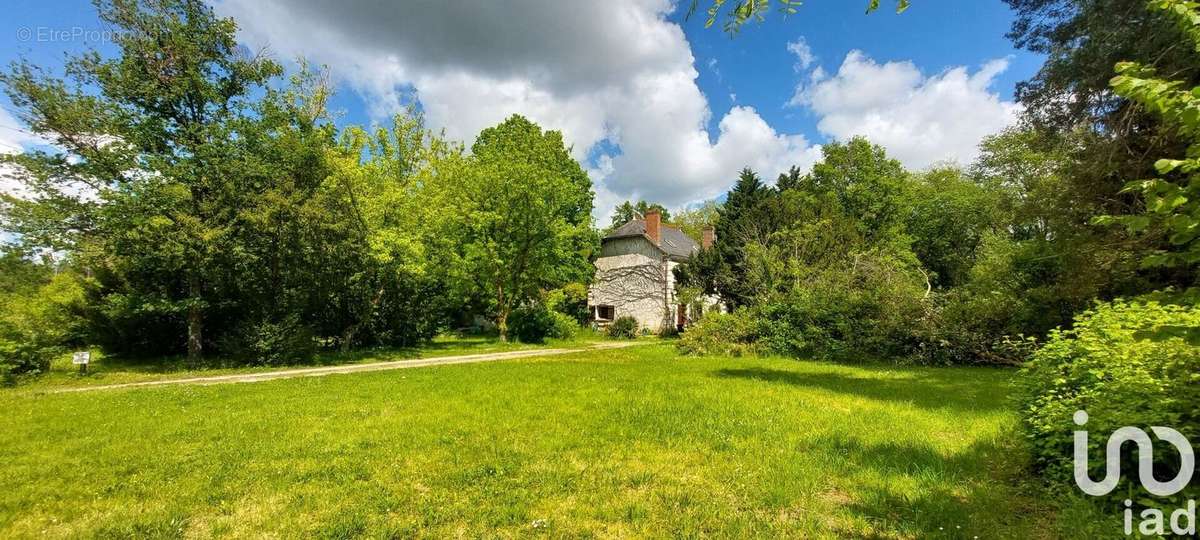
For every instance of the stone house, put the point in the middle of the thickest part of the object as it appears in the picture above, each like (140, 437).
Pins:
(635, 274)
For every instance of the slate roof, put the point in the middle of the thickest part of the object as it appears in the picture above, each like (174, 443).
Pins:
(674, 241)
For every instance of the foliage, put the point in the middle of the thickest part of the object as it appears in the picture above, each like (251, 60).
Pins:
(37, 323)
(270, 343)
(628, 211)
(166, 138)
(564, 327)
(531, 323)
(396, 290)
(1082, 40)
(728, 334)
(184, 181)
(570, 300)
(693, 221)
(519, 214)
(738, 12)
(947, 214)
(624, 327)
(1173, 200)
(1125, 364)
(823, 265)
(868, 305)
(534, 322)
(721, 270)
(215, 207)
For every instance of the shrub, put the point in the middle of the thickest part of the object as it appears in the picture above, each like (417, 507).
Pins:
(624, 327)
(720, 334)
(564, 326)
(1127, 363)
(570, 300)
(36, 325)
(532, 323)
(867, 307)
(271, 343)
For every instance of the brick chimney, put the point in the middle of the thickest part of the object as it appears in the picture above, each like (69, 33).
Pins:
(709, 234)
(654, 226)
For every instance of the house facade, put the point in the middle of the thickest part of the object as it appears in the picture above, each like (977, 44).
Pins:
(635, 274)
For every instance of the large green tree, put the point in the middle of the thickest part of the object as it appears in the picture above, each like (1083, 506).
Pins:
(519, 211)
(179, 168)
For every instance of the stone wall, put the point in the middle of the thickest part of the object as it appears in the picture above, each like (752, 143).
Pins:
(635, 284)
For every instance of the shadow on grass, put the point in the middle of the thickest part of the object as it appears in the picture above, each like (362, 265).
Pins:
(928, 388)
(910, 490)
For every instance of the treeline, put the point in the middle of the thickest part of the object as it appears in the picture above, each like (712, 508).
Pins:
(195, 202)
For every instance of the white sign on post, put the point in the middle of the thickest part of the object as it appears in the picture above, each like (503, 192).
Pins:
(81, 357)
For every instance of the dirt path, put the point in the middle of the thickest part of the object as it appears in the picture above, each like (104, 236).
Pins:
(350, 368)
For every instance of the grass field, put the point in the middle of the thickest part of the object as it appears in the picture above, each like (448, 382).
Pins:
(627, 443)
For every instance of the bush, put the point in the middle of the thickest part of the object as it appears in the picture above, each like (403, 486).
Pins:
(564, 326)
(271, 343)
(570, 300)
(534, 323)
(36, 325)
(624, 327)
(720, 334)
(1127, 363)
(868, 308)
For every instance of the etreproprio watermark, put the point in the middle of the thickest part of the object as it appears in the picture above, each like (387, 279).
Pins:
(1154, 522)
(67, 34)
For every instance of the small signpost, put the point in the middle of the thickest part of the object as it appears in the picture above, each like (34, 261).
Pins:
(81, 359)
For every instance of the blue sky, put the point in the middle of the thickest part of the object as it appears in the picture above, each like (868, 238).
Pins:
(933, 34)
(655, 106)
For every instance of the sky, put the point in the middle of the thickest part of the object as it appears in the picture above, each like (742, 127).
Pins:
(654, 105)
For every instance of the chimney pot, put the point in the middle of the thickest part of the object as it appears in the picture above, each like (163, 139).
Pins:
(653, 226)
(708, 237)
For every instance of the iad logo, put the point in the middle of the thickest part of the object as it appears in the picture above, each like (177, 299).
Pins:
(1112, 463)
(1152, 518)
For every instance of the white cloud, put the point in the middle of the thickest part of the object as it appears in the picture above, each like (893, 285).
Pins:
(597, 71)
(920, 120)
(804, 54)
(14, 139)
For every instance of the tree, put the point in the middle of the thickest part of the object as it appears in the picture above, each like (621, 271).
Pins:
(1173, 199)
(389, 288)
(179, 177)
(520, 212)
(628, 211)
(1107, 137)
(1083, 40)
(791, 179)
(947, 214)
(866, 183)
(738, 12)
(735, 228)
(693, 221)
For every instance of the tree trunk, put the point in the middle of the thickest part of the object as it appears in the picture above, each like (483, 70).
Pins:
(194, 329)
(502, 324)
(350, 331)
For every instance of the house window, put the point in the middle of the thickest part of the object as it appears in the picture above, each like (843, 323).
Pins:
(604, 313)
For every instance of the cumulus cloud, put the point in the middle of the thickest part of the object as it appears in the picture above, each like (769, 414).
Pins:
(600, 72)
(14, 139)
(920, 120)
(804, 54)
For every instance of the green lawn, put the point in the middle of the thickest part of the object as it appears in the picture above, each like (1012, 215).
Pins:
(620, 443)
